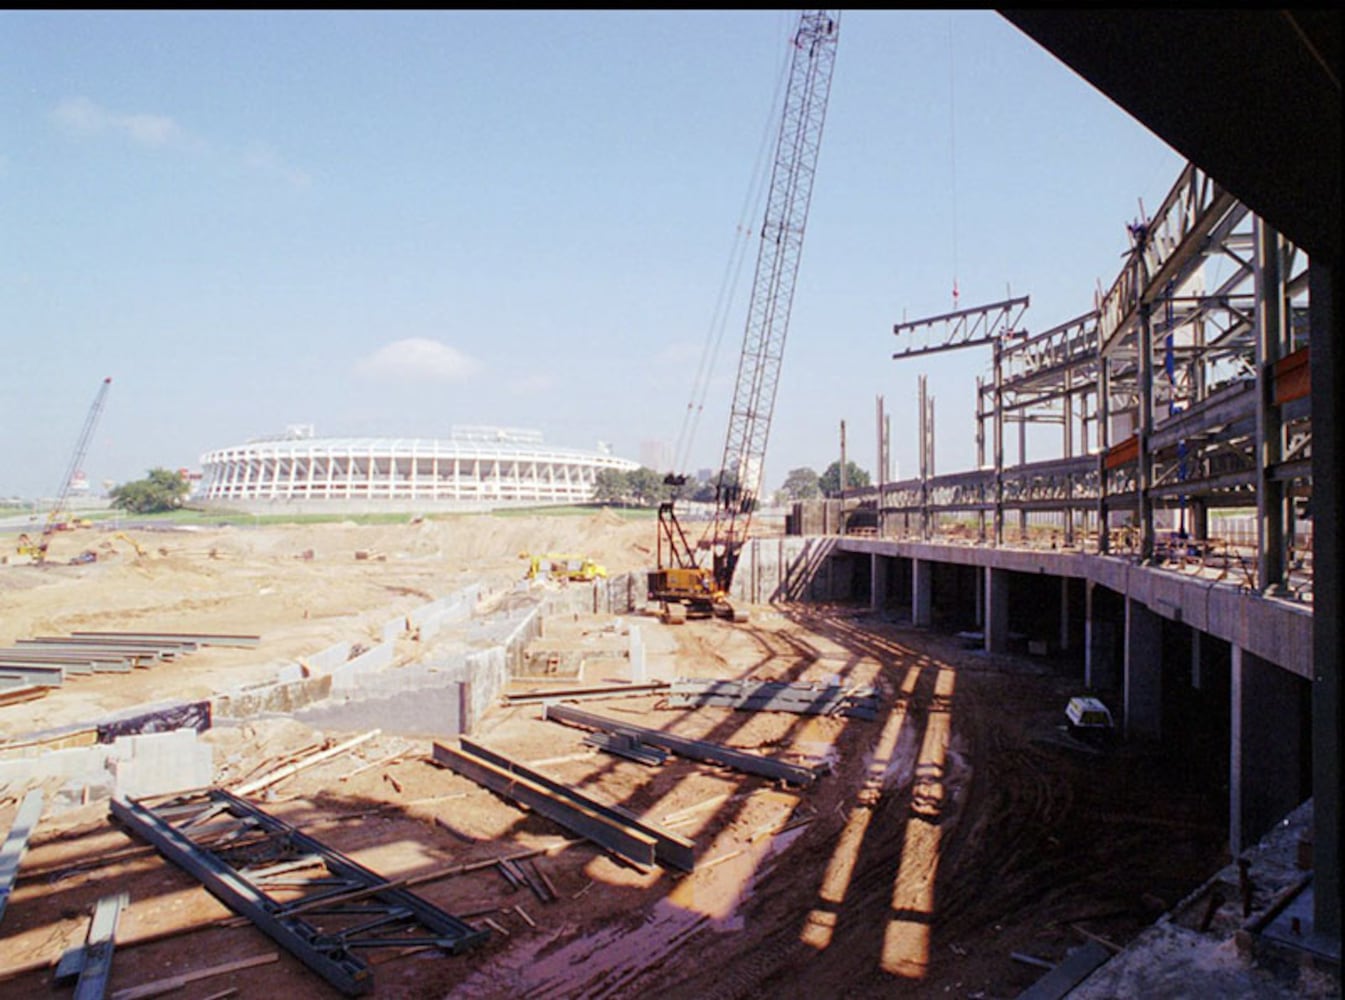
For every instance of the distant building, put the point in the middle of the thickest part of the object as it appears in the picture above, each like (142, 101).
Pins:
(476, 467)
(656, 455)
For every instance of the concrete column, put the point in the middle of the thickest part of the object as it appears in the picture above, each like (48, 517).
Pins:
(996, 610)
(1265, 746)
(1064, 613)
(922, 592)
(979, 588)
(877, 581)
(1143, 672)
(1197, 680)
(638, 673)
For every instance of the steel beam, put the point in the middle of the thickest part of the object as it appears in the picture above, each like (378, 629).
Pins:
(96, 960)
(348, 890)
(16, 842)
(669, 848)
(711, 753)
(774, 696)
(200, 638)
(621, 839)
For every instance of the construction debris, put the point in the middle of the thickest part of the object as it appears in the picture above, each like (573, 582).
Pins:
(280, 774)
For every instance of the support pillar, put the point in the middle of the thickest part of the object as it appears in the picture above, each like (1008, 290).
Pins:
(877, 582)
(1143, 672)
(1064, 613)
(638, 672)
(922, 593)
(979, 588)
(1099, 669)
(996, 610)
(1265, 747)
(1197, 680)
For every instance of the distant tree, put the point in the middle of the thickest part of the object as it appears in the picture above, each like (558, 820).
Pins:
(647, 487)
(159, 491)
(611, 486)
(801, 484)
(830, 481)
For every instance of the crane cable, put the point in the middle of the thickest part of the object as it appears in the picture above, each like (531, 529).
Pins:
(743, 235)
(952, 153)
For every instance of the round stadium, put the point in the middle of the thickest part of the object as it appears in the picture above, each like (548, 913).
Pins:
(475, 468)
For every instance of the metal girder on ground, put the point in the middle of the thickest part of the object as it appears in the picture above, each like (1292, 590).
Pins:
(368, 910)
(628, 747)
(711, 753)
(91, 962)
(617, 829)
(777, 696)
(16, 842)
(200, 638)
(583, 693)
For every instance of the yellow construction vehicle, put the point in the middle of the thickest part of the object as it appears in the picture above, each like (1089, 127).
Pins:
(139, 549)
(562, 566)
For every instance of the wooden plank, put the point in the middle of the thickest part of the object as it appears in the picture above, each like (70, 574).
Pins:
(280, 774)
(162, 986)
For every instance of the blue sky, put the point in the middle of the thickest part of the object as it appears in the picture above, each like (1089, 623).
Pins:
(389, 224)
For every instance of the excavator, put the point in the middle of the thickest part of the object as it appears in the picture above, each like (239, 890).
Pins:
(683, 584)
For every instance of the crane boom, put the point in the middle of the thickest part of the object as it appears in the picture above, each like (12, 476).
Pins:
(778, 253)
(76, 460)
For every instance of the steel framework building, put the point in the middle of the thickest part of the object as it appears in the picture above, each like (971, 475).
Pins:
(1184, 390)
(476, 466)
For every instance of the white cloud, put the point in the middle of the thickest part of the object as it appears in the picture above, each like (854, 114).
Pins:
(531, 385)
(268, 161)
(419, 359)
(81, 116)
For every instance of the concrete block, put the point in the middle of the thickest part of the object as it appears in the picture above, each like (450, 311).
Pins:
(329, 659)
(160, 763)
(392, 629)
(378, 658)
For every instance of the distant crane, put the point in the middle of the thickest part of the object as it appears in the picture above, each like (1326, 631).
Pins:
(38, 550)
(680, 583)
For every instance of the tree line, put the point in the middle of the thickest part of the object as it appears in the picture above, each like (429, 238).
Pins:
(643, 487)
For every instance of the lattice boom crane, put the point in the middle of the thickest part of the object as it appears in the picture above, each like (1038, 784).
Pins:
(38, 550)
(681, 580)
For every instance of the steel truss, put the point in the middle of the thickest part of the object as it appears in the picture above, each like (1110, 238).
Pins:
(1184, 390)
(238, 852)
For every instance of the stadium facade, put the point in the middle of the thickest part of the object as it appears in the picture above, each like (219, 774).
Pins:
(475, 468)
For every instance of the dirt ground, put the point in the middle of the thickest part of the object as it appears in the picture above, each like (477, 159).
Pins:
(960, 828)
